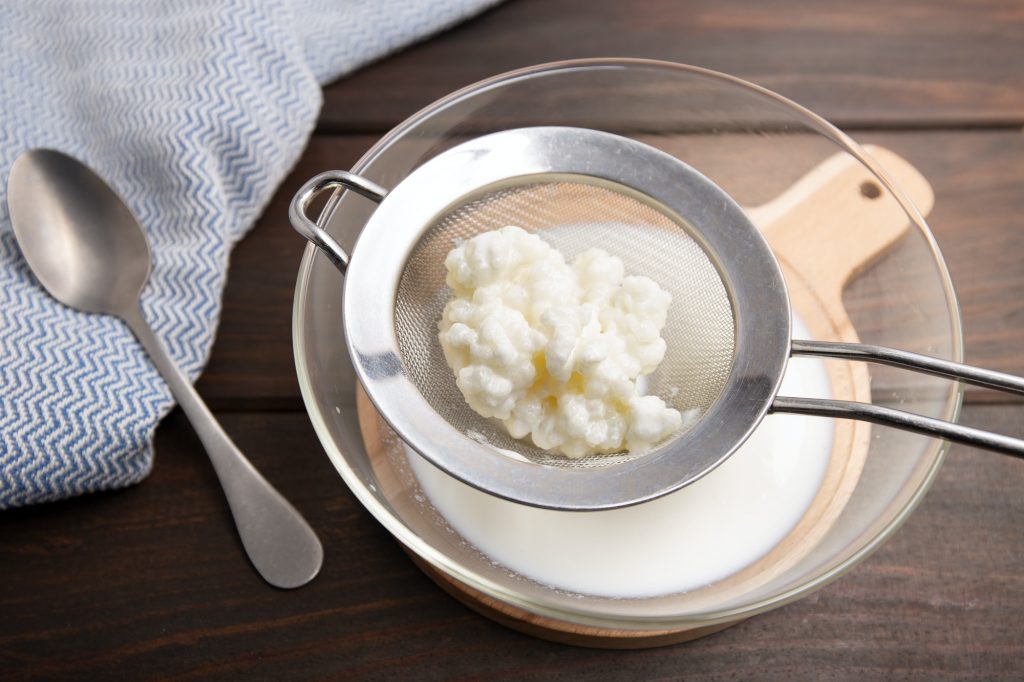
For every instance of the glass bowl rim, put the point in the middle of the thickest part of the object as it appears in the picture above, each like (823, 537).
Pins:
(456, 571)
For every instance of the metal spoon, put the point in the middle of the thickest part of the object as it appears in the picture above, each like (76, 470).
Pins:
(89, 252)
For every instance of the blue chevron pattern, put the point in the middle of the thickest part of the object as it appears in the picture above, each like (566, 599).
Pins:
(193, 111)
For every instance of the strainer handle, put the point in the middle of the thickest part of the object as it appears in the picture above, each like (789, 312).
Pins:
(912, 361)
(845, 409)
(907, 421)
(310, 229)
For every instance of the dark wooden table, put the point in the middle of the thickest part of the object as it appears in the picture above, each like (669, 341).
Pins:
(151, 581)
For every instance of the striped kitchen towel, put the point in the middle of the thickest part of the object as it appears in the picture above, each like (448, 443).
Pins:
(194, 111)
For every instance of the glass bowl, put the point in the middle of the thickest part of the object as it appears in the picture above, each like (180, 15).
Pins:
(752, 143)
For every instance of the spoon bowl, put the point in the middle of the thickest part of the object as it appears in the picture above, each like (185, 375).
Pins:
(99, 265)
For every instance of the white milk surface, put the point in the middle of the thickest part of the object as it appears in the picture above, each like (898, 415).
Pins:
(695, 536)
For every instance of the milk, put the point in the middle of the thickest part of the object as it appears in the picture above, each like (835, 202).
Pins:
(695, 536)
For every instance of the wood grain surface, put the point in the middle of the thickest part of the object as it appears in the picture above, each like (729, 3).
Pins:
(860, 64)
(151, 581)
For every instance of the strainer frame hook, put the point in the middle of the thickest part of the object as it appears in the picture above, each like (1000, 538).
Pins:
(310, 229)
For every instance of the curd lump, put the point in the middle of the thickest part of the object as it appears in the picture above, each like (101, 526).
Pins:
(554, 350)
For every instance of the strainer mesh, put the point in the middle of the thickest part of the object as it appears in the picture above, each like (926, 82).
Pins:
(573, 216)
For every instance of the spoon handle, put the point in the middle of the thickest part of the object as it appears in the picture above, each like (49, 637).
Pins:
(281, 545)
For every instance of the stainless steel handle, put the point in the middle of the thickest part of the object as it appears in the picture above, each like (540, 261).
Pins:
(309, 228)
(899, 419)
(848, 409)
(281, 545)
(912, 361)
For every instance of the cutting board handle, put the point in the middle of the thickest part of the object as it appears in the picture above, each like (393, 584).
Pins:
(863, 222)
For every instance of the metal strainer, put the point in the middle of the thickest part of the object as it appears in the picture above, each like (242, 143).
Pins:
(728, 329)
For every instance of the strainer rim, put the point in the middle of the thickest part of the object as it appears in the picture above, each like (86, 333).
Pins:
(754, 282)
